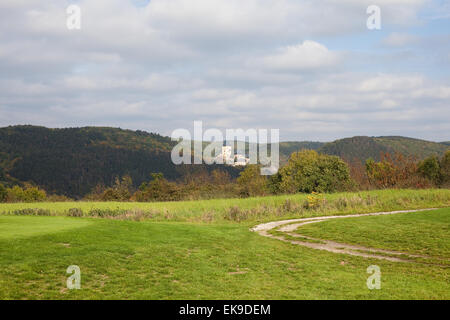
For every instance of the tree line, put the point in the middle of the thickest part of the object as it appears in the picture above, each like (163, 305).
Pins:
(75, 161)
(306, 171)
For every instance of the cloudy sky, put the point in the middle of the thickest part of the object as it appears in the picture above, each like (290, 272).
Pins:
(308, 67)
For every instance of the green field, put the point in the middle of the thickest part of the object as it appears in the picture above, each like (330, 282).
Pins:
(24, 227)
(254, 209)
(422, 233)
(222, 259)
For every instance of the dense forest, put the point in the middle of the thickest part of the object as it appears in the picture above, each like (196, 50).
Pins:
(363, 148)
(306, 171)
(75, 161)
(356, 148)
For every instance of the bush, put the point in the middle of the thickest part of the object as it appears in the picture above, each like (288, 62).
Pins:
(236, 214)
(307, 171)
(251, 183)
(431, 169)
(445, 169)
(30, 194)
(15, 194)
(158, 189)
(274, 183)
(32, 212)
(103, 213)
(314, 201)
(395, 171)
(75, 212)
(34, 194)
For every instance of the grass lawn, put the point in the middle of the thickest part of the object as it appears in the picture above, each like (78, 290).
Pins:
(180, 260)
(423, 233)
(21, 227)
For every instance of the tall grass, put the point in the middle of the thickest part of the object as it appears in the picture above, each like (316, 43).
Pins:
(242, 210)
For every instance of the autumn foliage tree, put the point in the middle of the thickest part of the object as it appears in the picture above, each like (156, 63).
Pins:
(120, 191)
(27, 194)
(430, 168)
(445, 169)
(358, 173)
(395, 171)
(158, 189)
(251, 182)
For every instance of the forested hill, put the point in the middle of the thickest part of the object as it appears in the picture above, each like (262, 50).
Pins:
(356, 148)
(372, 147)
(287, 148)
(72, 161)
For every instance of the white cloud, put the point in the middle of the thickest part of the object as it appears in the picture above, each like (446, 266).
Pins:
(398, 39)
(308, 67)
(389, 82)
(308, 55)
(436, 92)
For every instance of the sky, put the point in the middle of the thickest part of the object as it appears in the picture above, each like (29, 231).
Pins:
(310, 68)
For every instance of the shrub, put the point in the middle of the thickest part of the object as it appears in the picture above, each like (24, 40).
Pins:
(110, 195)
(307, 171)
(395, 171)
(34, 194)
(75, 212)
(314, 201)
(122, 190)
(274, 183)
(251, 183)
(32, 212)
(236, 214)
(103, 213)
(158, 189)
(15, 194)
(431, 169)
(30, 194)
(445, 169)
(358, 174)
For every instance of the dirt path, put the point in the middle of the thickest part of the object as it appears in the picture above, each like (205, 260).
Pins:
(289, 226)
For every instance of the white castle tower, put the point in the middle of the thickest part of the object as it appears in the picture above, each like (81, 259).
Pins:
(226, 155)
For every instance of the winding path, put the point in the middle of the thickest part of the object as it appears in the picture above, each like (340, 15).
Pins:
(289, 226)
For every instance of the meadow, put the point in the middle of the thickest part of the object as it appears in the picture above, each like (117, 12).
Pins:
(422, 233)
(250, 210)
(184, 256)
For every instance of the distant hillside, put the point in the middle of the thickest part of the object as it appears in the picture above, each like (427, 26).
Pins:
(287, 148)
(355, 148)
(74, 160)
(371, 147)
(447, 143)
(413, 147)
